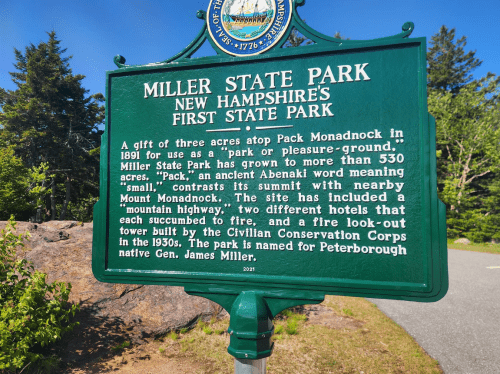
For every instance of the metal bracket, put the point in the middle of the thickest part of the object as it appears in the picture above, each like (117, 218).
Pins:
(252, 312)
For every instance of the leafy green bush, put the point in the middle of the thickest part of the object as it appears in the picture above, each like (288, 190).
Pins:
(474, 225)
(33, 313)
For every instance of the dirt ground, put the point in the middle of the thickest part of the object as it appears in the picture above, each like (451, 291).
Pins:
(145, 359)
(167, 356)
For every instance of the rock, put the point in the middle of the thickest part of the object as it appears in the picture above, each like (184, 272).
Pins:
(110, 313)
(462, 241)
(47, 233)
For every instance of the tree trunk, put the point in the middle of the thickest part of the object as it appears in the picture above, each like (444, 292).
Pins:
(53, 199)
(66, 201)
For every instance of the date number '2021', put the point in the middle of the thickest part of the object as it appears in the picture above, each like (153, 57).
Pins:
(248, 269)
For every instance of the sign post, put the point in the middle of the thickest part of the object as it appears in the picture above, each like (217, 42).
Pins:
(266, 177)
(249, 366)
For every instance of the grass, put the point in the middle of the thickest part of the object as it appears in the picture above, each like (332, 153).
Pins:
(475, 247)
(378, 346)
(347, 312)
(121, 346)
(292, 322)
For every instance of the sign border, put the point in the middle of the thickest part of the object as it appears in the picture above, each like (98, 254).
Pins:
(436, 272)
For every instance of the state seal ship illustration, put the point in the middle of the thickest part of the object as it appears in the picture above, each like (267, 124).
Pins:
(256, 18)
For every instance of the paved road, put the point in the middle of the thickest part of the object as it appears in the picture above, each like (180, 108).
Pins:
(462, 330)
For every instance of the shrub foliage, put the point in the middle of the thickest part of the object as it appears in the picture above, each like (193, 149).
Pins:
(33, 313)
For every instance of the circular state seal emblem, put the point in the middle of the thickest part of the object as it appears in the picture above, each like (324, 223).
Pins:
(248, 27)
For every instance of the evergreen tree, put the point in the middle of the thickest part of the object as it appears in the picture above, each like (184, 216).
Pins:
(449, 68)
(21, 188)
(338, 35)
(296, 39)
(50, 118)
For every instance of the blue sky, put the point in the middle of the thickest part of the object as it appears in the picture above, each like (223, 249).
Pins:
(150, 31)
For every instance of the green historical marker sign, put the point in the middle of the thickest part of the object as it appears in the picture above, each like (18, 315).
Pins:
(272, 174)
